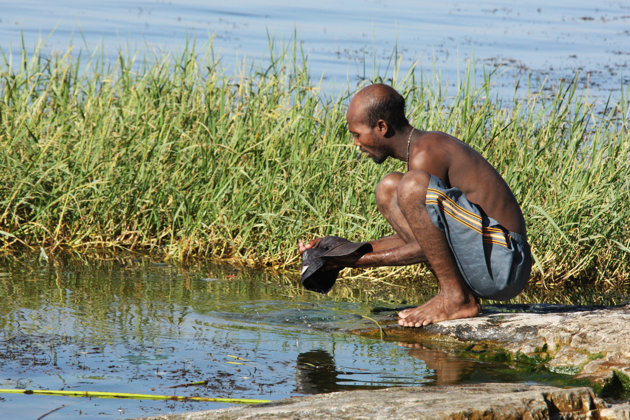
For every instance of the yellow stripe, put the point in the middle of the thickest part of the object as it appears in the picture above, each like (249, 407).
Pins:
(494, 235)
(497, 243)
(491, 229)
(499, 238)
(459, 210)
(452, 203)
(446, 197)
(456, 217)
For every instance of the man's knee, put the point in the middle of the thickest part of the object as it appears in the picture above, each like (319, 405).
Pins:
(413, 187)
(387, 189)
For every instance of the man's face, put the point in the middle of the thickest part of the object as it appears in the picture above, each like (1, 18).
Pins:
(364, 136)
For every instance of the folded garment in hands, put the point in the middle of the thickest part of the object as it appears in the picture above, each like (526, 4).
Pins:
(322, 263)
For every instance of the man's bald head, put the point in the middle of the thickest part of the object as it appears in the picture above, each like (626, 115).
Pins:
(380, 102)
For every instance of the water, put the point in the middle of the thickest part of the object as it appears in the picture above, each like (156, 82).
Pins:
(154, 329)
(348, 41)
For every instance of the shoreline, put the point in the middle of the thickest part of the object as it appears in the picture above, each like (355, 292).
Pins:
(553, 339)
(584, 342)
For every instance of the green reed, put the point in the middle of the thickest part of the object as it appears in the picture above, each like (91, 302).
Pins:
(175, 156)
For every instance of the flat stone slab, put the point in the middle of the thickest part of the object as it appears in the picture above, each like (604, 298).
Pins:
(588, 343)
(485, 401)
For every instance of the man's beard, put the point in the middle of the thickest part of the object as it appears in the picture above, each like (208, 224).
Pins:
(378, 160)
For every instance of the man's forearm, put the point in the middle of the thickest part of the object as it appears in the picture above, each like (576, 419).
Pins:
(401, 254)
(387, 242)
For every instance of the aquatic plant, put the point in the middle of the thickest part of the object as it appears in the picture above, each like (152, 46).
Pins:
(175, 156)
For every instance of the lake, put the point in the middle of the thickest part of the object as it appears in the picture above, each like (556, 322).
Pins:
(134, 326)
(346, 42)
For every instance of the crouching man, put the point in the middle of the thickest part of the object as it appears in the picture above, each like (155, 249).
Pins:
(451, 210)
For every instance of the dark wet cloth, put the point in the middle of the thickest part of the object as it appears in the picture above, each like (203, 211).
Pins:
(494, 262)
(331, 251)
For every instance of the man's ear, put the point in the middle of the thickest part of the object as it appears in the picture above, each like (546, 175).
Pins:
(383, 128)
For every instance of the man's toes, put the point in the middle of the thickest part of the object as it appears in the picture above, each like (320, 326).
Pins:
(405, 323)
(405, 312)
(411, 323)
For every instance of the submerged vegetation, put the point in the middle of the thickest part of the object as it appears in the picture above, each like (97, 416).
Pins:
(176, 157)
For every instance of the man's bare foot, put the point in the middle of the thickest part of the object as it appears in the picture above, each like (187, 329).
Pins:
(439, 308)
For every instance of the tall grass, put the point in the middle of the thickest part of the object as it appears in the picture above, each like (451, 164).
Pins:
(176, 157)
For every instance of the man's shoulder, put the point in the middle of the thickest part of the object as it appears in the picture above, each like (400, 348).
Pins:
(437, 143)
(436, 140)
(432, 152)
(434, 136)
(441, 153)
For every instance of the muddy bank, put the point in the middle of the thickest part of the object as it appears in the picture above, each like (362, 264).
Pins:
(590, 343)
(487, 401)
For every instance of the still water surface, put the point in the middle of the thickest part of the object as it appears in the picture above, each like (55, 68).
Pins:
(153, 329)
(351, 40)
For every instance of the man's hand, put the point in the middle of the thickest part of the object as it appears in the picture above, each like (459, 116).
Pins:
(328, 263)
(310, 244)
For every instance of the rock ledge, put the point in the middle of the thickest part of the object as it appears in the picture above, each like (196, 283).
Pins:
(485, 401)
(587, 343)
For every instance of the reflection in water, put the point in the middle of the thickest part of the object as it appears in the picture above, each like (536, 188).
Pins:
(316, 373)
(447, 369)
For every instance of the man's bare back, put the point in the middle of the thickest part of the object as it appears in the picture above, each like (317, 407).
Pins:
(418, 206)
(460, 166)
